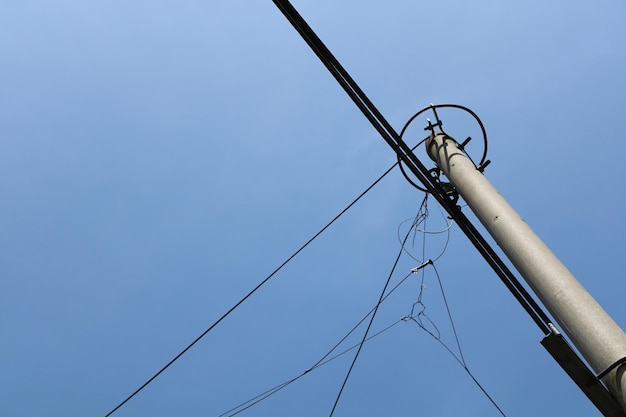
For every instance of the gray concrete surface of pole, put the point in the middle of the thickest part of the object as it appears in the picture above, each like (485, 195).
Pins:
(600, 341)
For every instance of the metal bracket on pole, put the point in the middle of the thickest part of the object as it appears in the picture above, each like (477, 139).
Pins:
(614, 365)
(571, 363)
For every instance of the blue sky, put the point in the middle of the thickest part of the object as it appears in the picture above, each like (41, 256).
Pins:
(159, 159)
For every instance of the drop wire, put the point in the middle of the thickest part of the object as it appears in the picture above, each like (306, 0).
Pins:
(380, 300)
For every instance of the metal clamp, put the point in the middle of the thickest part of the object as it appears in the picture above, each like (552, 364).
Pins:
(610, 368)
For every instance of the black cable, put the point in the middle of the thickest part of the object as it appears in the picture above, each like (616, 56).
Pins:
(253, 290)
(460, 359)
(416, 167)
(324, 360)
(404, 173)
(421, 217)
(342, 77)
(321, 362)
(277, 388)
(380, 300)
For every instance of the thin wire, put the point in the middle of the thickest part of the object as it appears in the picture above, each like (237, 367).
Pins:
(417, 318)
(145, 384)
(380, 300)
(416, 220)
(255, 400)
(460, 358)
(356, 326)
(404, 173)
(324, 360)
(402, 150)
(419, 219)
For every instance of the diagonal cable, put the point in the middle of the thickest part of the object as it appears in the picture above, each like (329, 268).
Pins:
(325, 359)
(380, 300)
(406, 156)
(255, 289)
(459, 358)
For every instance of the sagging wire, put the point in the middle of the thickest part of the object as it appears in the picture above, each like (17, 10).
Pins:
(418, 310)
(257, 399)
(420, 220)
(324, 359)
(418, 316)
(373, 316)
(418, 313)
(327, 357)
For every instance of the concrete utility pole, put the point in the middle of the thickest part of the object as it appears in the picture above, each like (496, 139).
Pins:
(600, 341)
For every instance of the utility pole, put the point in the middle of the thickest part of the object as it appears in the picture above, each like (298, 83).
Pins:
(598, 338)
(600, 341)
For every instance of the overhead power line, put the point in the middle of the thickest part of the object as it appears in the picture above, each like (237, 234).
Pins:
(255, 289)
(417, 168)
(417, 315)
(369, 325)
